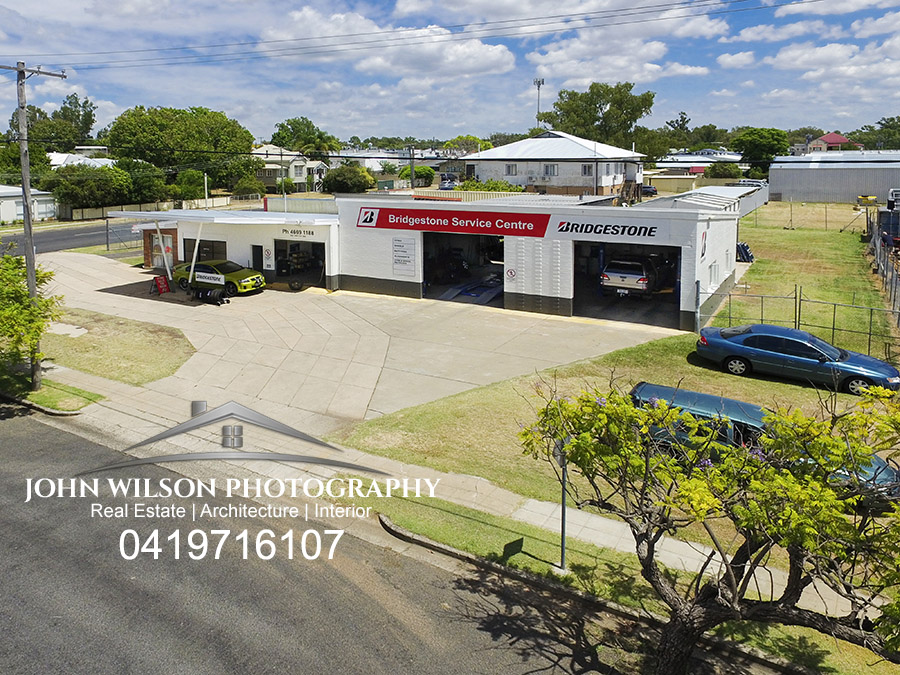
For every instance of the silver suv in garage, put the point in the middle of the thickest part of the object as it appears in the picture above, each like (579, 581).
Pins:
(630, 276)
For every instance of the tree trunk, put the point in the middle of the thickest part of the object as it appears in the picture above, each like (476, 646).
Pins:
(676, 645)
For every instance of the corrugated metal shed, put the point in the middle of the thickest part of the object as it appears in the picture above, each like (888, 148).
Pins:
(834, 177)
(554, 145)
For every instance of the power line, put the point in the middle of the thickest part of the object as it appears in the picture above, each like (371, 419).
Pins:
(397, 38)
(555, 18)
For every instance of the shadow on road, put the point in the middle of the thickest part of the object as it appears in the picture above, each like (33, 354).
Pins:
(544, 628)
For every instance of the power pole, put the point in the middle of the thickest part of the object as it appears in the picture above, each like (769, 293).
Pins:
(538, 82)
(412, 168)
(23, 73)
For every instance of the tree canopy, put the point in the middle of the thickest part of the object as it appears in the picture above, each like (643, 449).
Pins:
(349, 178)
(424, 175)
(466, 145)
(797, 498)
(81, 186)
(301, 135)
(722, 170)
(885, 135)
(605, 113)
(174, 139)
(759, 146)
(23, 320)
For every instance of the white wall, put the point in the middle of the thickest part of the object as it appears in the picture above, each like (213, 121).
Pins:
(569, 173)
(370, 253)
(541, 267)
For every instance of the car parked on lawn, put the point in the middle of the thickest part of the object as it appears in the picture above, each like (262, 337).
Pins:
(630, 276)
(221, 274)
(742, 424)
(793, 354)
(649, 191)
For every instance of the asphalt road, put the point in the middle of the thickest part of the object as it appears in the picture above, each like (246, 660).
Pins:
(62, 238)
(70, 603)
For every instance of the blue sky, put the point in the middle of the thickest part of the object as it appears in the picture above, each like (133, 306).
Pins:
(432, 68)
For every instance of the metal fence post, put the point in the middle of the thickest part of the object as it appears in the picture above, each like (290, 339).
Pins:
(833, 321)
(798, 302)
(871, 314)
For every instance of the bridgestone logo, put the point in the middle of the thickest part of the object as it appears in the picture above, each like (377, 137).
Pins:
(611, 230)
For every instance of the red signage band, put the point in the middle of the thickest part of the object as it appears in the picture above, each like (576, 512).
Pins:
(463, 222)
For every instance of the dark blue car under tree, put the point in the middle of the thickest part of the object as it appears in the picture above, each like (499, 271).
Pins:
(793, 354)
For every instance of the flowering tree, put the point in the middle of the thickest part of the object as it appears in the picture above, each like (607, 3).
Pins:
(799, 492)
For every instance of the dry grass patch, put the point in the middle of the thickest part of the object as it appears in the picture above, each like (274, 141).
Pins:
(116, 348)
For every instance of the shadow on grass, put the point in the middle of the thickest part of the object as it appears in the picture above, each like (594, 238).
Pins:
(797, 649)
(548, 633)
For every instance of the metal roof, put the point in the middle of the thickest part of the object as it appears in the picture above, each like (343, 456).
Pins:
(230, 217)
(554, 145)
(7, 191)
(545, 201)
(711, 197)
(840, 159)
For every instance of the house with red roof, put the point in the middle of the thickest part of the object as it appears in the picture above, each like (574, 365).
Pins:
(832, 141)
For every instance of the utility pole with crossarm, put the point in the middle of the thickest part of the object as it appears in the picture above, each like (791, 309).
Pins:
(22, 74)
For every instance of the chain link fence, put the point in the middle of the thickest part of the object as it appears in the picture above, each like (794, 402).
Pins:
(870, 330)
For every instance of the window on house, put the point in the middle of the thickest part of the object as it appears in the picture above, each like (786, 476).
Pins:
(587, 169)
(512, 169)
(298, 172)
(608, 168)
(551, 169)
(714, 274)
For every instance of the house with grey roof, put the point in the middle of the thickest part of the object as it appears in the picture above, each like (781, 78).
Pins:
(558, 163)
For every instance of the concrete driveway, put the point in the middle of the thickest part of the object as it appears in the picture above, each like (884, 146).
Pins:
(326, 358)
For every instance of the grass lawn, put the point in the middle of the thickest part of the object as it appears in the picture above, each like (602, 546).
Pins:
(120, 349)
(51, 395)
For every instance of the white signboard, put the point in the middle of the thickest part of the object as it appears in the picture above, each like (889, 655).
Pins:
(404, 249)
(208, 278)
(304, 233)
(268, 259)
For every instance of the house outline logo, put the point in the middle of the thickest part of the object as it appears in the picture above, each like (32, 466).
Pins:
(232, 437)
(368, 218)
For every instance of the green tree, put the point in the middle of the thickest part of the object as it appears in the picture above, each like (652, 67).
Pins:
(722, 170)
(33, 115)
(466, 145)
(249, 185)
(679, 129)
(11, 165)
(424, 175)
(23, 319)
(604, 113)
(491, 185)
(759, 146)
(300, 134)
(661, 471)
(172, 138)
(285, 185)
(82, 187)
(190, 184)
(389, 168)
(499, 138)
(883, 136)
(148, 183)
(653, 143)
(77, 112)
(349, 178)
(708, 136)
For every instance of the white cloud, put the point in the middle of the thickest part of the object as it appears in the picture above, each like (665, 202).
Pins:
(826, 7)
(772, 33)
(883, 25)
(805, 55)
(723, 93)
(748, 84)
(739, 60)
(384, 49)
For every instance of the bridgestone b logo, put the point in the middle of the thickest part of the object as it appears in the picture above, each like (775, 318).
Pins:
(611, 230)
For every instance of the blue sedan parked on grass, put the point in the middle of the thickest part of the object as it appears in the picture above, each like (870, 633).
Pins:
(793, 354)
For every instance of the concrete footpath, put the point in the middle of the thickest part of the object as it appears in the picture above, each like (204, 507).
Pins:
(317, 361)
